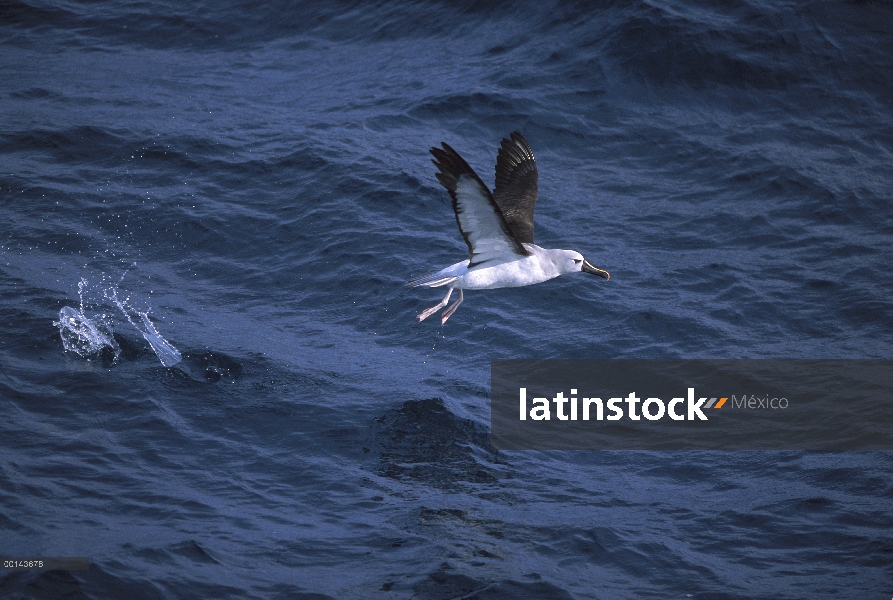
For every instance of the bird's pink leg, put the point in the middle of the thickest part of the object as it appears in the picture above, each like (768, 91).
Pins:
(452, 308)
(437, 307)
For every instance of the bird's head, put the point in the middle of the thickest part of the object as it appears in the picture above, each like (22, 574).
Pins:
(574, 261)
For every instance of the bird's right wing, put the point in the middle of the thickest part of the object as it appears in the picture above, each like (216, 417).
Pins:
(516, 186)
(480, 220)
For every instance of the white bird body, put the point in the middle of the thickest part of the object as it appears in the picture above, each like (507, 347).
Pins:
(542, 265)
(497, 227)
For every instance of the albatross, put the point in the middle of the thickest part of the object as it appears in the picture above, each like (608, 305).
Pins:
(497, 227)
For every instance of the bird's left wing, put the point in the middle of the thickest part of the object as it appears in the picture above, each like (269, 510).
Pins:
(480, 220)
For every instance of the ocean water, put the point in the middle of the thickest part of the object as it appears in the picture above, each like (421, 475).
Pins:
(250, 185)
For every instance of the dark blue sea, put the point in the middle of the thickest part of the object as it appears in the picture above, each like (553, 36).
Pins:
(254, 179)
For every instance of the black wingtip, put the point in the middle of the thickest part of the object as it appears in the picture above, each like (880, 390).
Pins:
(516, 140)
(450, 166)
(445, 150)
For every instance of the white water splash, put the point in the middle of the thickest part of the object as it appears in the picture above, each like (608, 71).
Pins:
(167, 354)
(82, 335)
(89, 337)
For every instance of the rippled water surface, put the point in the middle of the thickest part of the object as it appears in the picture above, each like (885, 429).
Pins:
(254, 179)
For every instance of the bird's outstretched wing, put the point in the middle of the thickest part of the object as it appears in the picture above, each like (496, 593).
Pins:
(480, 220)
(516, 186)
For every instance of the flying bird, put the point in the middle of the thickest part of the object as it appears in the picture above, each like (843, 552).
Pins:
(497, 227)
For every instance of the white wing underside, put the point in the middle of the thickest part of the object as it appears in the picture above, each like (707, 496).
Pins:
(483, 227)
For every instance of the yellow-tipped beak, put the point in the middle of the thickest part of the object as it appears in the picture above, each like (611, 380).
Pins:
(588, 268)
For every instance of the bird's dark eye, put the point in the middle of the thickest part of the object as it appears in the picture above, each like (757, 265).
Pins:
(577, 261)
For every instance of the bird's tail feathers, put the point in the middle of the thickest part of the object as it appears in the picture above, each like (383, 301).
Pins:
(432, 279)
